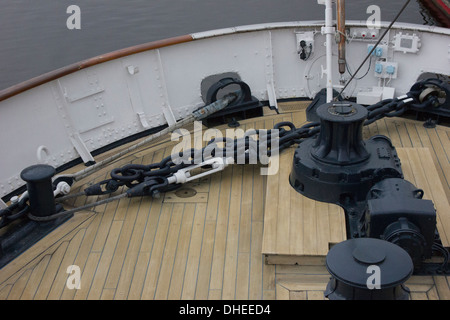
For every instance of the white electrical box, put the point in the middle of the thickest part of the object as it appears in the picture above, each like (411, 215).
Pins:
(407, 43)
(387, 70)
(376, 94)
(364, 33)
(381, 51)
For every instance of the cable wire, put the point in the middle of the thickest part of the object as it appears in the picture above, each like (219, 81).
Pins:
(371, 51)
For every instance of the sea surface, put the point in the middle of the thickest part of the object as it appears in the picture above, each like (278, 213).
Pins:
(35, 39)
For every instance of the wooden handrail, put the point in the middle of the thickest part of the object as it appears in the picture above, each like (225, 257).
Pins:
(342, 39)
(58, 73)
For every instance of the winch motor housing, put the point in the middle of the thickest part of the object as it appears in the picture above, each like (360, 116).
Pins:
(365, 178)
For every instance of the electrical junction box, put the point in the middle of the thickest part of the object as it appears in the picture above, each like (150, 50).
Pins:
(407, 43)
(380, 51)
(386, 69)
(375, 95)
(364, 33)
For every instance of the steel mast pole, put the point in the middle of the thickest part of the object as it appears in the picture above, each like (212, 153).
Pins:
(328, 30)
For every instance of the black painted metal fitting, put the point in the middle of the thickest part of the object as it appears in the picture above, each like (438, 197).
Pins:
(40, 189)
(340, 140)
(338, 166)
(368, 269)
(397, 213)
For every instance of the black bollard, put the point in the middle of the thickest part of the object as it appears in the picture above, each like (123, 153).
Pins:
(354, 264)
(26, 232)
(40, 189)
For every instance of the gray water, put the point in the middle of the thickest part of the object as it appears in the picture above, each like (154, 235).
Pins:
(34, 38)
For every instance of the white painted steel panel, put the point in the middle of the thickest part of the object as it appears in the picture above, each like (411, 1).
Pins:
(104, 103)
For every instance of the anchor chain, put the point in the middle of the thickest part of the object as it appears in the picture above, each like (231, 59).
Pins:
(160, 177)
(154, 179)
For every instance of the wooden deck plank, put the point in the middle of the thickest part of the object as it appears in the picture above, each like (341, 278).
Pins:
(198, 197)
(323, 223)
(432, 294)
(50, 272)
(232, 239)
(137, 249)
(132, 252)
(309, 228)
(426, 142)
(282, 293)
(47, 245)
(283, 207)
(403, 133)
(104, 227)
(179, 266)
(337, 224)
(270, 216)
(414, 161)
(256, 262)
(315, 295)
(258, 195)
(104, 264)
(137, 283)
(245, 224)
(221, 230)
(206, 260)
(19, 286)
(107, 294)
(213, 196)
(145, 244)
(170, 248)
(438, 195)
(91, 227)
(152, 224)
(68, 260)
(413, 135)
(242, 276)
(443, 160)
(193, 257)
(129, 219)
(392, 131)
(292, 224)
(215, 294)
(154, 265)
(35, 279)
(88, 273)
(297, 232)
(442, 287)
(4, 291)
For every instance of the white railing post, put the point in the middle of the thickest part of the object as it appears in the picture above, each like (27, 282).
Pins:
(329, 31)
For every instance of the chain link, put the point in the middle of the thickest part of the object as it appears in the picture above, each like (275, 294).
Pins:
(152, 179)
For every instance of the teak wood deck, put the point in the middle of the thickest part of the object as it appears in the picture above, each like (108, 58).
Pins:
(232, 235)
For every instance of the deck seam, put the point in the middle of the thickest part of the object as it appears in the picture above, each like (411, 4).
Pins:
(202, 242)
(162, 255)
(138, 208)
(187, 251)
(128, 246)
(153, 242)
